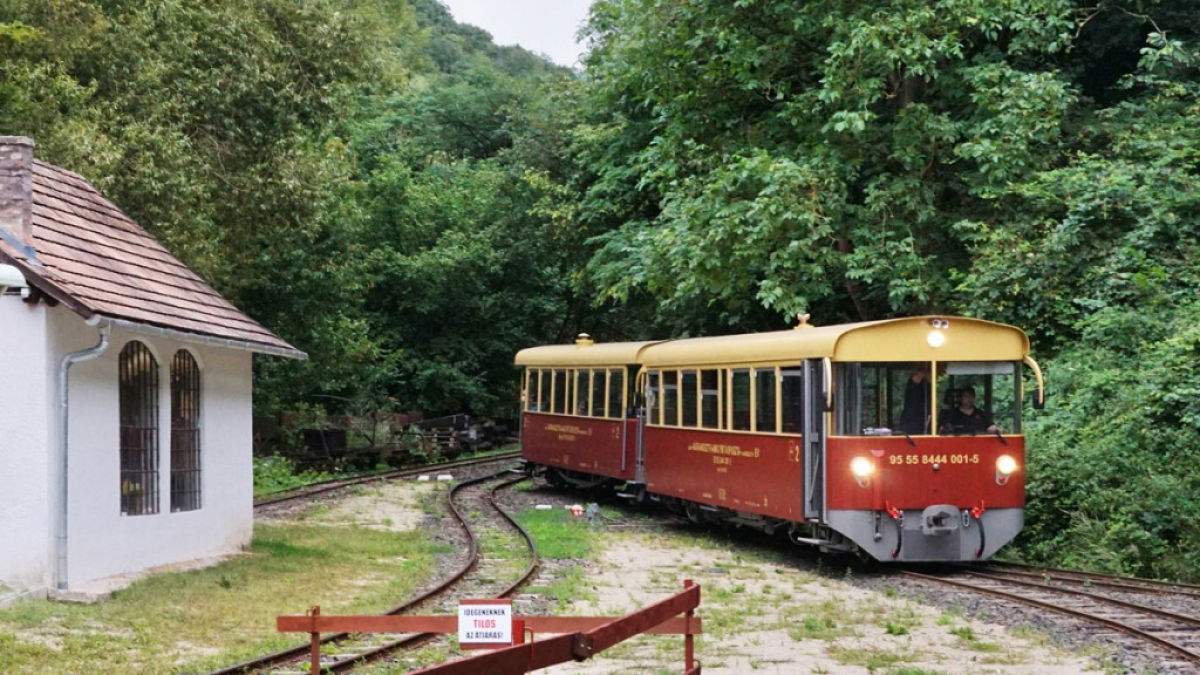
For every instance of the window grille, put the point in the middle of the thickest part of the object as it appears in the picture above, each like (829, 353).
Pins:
(138, 403)
(185, 433)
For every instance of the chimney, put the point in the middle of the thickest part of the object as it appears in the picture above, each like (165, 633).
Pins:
(16, 193)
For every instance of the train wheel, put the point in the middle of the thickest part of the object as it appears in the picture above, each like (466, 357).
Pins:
(555, 478)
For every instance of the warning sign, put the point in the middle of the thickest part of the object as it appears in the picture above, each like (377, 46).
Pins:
(485, 623)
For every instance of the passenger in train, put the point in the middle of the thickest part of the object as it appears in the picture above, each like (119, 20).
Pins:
(965, 418)
(914, 418)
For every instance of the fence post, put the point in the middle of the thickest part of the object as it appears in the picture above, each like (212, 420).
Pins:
(314, 648)
(689, 647)
(518, 632)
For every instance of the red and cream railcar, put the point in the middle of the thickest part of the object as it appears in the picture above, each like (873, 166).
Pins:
(901, 438)
(579, 419)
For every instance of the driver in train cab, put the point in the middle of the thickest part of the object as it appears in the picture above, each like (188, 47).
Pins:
(965, 418)
(914, 417)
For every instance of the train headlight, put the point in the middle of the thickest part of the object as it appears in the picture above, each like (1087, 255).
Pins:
(862, 467)
(935, 338)
(1006, 465)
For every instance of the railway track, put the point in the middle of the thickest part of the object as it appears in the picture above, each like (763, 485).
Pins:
(1171, 632)
(313, 489)
(1093, 579)
(485, 525)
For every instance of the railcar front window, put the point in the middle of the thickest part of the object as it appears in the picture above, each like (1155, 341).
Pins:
(978, 397)
(883, 399)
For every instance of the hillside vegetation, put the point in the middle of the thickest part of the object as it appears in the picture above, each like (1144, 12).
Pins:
(410, 203)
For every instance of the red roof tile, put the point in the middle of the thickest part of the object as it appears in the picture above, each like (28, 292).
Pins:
(101, 262)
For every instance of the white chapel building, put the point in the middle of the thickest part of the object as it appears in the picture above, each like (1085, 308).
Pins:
(125, 392)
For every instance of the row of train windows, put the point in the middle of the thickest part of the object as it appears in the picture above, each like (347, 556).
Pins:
(766, 399)
(588, 392)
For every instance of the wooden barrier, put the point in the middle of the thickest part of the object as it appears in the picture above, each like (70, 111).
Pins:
(578, 637)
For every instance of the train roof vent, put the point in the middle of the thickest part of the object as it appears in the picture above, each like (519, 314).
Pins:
(584, 340)
(802, 321)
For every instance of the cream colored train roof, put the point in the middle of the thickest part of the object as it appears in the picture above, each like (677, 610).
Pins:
(583, 354)
(889, 340)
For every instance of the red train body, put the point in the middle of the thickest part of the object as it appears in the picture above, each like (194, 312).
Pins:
(798, 431)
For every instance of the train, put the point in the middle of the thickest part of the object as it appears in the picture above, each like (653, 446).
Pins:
(898, 439)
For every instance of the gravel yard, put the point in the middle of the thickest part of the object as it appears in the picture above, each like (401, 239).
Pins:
(773, 609)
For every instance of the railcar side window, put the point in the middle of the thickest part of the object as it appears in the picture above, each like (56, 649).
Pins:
(616, 387)
(978, 397)
(688, 400)
(670, 397)
(544, 385)
(791, 389)
(710, 399)
(764, 400)
(582, 389)
(598, 392)
(530, 384)
(740, 403)
(652, 396)
(883, 399)
(560, 391)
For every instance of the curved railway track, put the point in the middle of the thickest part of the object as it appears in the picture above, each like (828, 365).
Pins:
(1175, 633)
(329, 485)
(468, 501)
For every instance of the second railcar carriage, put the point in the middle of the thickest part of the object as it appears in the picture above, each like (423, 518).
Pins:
(901, 438)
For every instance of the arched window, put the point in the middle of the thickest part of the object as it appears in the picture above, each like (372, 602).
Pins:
(138, 401)
(185, 432)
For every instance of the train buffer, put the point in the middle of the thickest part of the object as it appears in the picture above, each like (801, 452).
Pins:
(575, 638)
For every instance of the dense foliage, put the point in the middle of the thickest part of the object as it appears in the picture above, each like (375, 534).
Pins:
(410, 203)
(1028, 162)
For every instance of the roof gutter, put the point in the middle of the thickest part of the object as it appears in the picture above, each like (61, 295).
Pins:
(64, 367)
(229, 343)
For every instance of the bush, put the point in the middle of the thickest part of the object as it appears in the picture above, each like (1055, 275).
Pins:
(277, 473)
(1114, 466)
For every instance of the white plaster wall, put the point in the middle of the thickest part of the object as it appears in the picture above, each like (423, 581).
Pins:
(102, 541)
(25, 437)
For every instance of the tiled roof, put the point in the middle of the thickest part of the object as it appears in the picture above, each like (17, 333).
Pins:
(101, 262)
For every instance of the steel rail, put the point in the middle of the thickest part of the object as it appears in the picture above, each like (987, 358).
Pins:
(293, 654)
(1097, 579)
(335, 483)
(1094, 618)
(388, 648)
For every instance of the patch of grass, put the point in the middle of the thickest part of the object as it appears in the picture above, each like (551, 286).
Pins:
(567, 589)
(870, 658)
(895, 628)
(816, 628)
(202, 619)
(557, 533)
(968, 636)
(908, 670)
